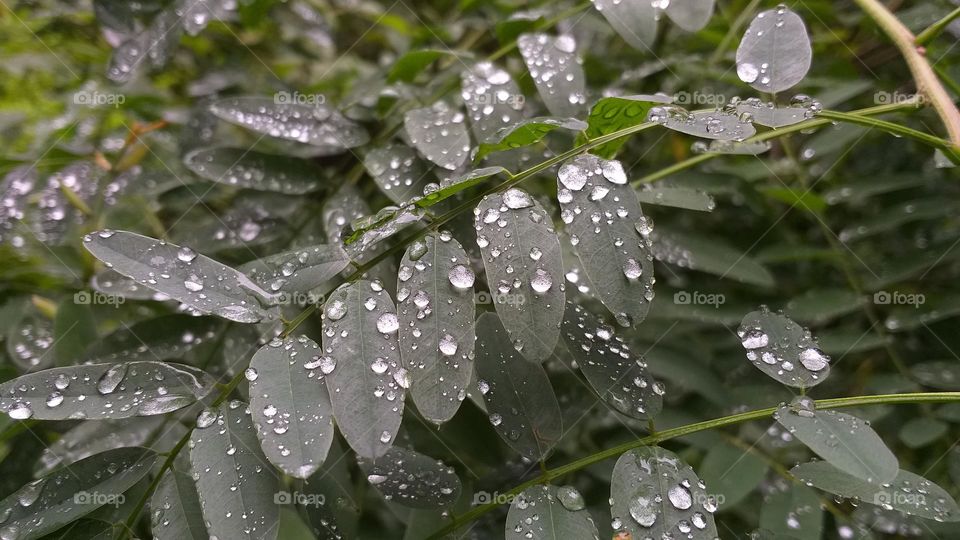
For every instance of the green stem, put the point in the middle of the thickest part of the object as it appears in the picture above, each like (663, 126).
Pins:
(673, 433)
(895, 129)
(936, 28)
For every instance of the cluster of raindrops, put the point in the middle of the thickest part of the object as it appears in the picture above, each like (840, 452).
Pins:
(298, 270)
(439, 133)
(802, 107)
(254, 170)
(556, 70)
(542, 510)
(398, 171)
(412, 479)
(14, 189)
(493, 100)
(56, 213)
(30, 345)
(724, 123)
(783, 349)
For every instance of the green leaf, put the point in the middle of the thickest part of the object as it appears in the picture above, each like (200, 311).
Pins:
(298, 270)
(522, 258)
(707, 254)
(611, 114)
(802, 199)
(236, 486)
(688, 199)
(398, 171)
(819, 306)
(412, 479)
(29, 341)
(858, 190)
(619, 376)
(196, 280)
(909, 493)
(59, 498)
(601, 212)
(897, 216)
(74, 328)
(556, 70)
(367, 383)
(940, 374)
(783, 349)
(636, 22)
(793, 513)
(175, 506)
(526, 132)
(409, 65)
(775, 52)
(845, 441)
(439, 133)
(94, 437)
(436, 314)
(722, 125)
(544, 512)
(452, 186)
(162, 338)
(732, 474)
(340, 513)
(917, 311)
(317, 124)
(104, 391)
(520, 400)
(492, 98)
(290, 405)
(920, 432)
(654, 493)
(245, 168)
(691, 15)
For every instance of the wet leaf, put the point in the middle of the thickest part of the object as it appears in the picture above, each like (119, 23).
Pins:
(544, 512)
(412, 479)
(250, 169)
(775, 52)
(769, 115)
(439, 133)
(162, 338)
(783, 349)
(180, 273)
(619, 375)
(676, 197)
(732, 474)
(398, 172)
(104, 391)
(908, 492)
(794, 512)
(555, 69)
(367, 382)
(720, 125)
(526, 132)
(520, 401)
(175, 506)
(236, 485)
(45, 505)
(522, 258)
(635, 21)
(612, 114)
(601, 213)
(706, 254)
(492, 98)
(940, 374)
(452, 186)
(297, 270)
(654, 493)
(407, 67)
(94, 437)
(818, 306)
(290, 405)
(691, 15)
(845, 441)
(436, 315)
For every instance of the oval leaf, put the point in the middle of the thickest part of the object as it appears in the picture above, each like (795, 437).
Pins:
(290, 405)
(492, 98)
(654, 494)
(634, 20)
(549, 512)
(522, 258)
(527, 132)
(94, 437)
(236, 485)
(707, 254)
(721, 125)
(180, 273)
(793, 513)
(104, 391)
(555, 68)
(612, 114)
(691, 15)
(255, 170)
(775, 52)
(436, 313)
(439, 133)
(163, 338)
(398, 171)
(520, 400)
(298, 270)
(366, 381)
(600, 211)
(412, 479)
(175, 506)
(783, 349)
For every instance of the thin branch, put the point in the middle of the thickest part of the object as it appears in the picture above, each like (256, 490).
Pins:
(936, 28)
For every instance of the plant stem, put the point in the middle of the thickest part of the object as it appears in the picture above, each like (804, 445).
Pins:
(948, 149)
(673, 433)
(936, 28)
(927, 82)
